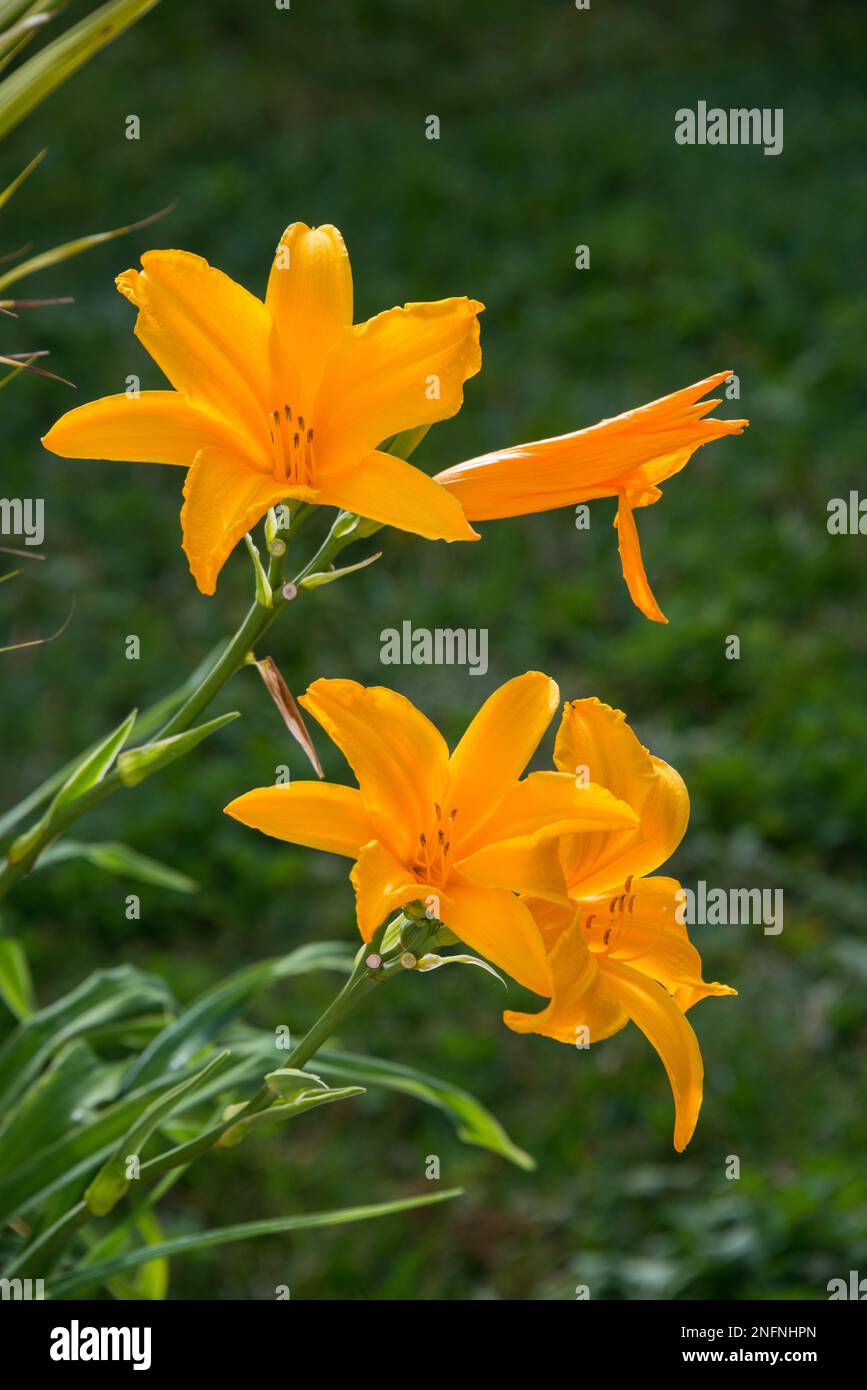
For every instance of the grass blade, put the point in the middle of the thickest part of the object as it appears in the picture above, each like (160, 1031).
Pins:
(67, 1286)
(475, 1125)
(40, 75)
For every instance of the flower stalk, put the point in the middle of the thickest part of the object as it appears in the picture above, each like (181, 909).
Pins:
(235, 654)
(411, 931)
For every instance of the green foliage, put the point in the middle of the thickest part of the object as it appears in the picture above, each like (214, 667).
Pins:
(556, 129)
(37, 78)
(113, 1069)
(16, 986)
(120, 860)
(140, 763)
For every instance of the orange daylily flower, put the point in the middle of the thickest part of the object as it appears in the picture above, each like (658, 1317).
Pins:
(614, 939)
(420, 814)
(282, 399)
(626, 457)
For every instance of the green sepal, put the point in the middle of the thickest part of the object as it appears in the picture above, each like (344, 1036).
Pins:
(287, 1110)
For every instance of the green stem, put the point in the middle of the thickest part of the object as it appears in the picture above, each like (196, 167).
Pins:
(234, 655)
(416, 933)
(257, 622)
(360, 983)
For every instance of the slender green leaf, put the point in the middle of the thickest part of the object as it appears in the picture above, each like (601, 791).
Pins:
(21, 32)
(105, 997)
(16, 183)
(198, 1023)
(54, 1104)
(151, 1280)
(40, 75)
(111, 1181)
(150, 722)
(475, 1124)
(11, 9)
(65, 1286)
(139, 763)
(87, 772)
(75, 1154)
(93, 768)
(115, 858)
(16, 986)
(68, 249)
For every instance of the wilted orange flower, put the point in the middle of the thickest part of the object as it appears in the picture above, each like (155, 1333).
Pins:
(626, 457)
(614, 938)
(282, 399)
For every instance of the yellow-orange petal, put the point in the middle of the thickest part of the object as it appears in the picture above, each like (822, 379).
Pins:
(496, 748)
(588, 463)
(530, 865)
(153, 427)
(596, 741)
(399, 757)
(583, 1009)
(501, 928)
(320, 815)
(686, 995)
(554, 803)
(223, 498)
(383, 884)
(403, 368)
(208, 334)
(632, 564)
(387, 489)
(641, 928)
(309, 299)
(652, 1008)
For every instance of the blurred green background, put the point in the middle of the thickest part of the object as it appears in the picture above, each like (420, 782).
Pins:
(556, 129)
